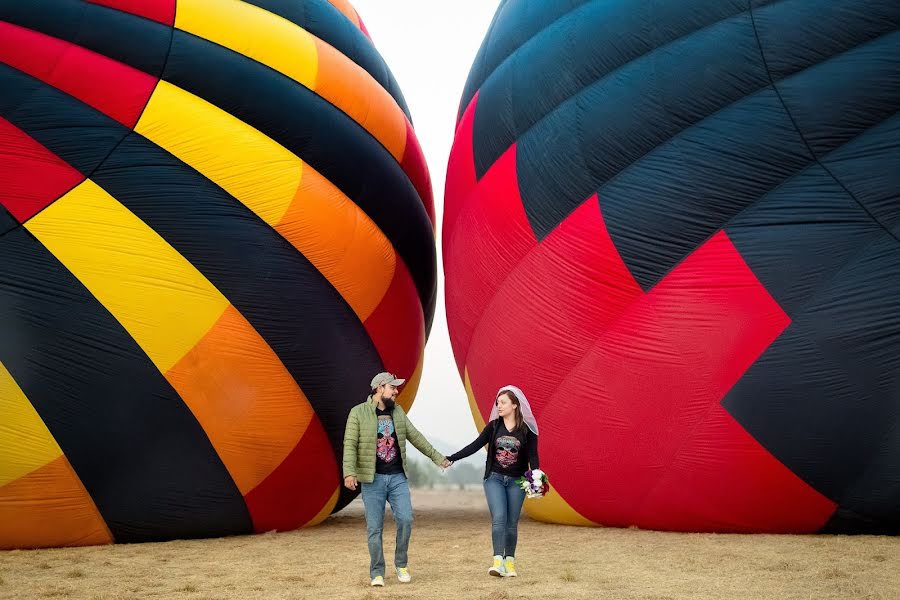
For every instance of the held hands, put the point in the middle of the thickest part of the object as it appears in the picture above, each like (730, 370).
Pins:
(350, 482)
(446, 464)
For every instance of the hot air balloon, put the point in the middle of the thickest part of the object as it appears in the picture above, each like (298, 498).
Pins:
(216, 225)
(675, 226)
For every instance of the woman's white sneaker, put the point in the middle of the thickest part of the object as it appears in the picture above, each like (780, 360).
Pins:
(497, 569)
(509, 567)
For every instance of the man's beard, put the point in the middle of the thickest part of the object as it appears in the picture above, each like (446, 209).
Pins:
(388, 403)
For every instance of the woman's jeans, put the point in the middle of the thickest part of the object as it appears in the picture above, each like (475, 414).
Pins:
(504, 498)
(393, 489)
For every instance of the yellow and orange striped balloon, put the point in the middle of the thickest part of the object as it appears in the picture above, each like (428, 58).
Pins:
(216, 226)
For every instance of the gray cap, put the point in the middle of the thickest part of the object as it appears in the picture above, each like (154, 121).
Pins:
(383, 378)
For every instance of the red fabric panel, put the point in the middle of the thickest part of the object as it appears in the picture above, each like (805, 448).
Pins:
(162, 11)
(546, 312)
(32, 176)
(414, 166)
(115, 89)
(397, 326)
(648, 443)
(494, 236)
(298, 489)
(460, 172)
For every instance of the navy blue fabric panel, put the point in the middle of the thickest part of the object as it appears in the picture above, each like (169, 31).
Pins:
(845, 521)
(796, 237)
(140, 453)
(661, 208)
(591, 43)
(85, 137)
(323, 20)
(7, 222)
(323, 136)
(818, 398)
(797, 33)
(862, 88)
(514, 24)
(869, 168)
(305, 321)
(613, 123)
(127, 38)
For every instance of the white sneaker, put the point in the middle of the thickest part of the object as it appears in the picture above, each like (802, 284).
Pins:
(377, 581)
(509, 567)
(496, 569)
(403, 575)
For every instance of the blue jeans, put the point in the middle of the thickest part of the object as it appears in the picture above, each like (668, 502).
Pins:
(393, 489)
(504, 498)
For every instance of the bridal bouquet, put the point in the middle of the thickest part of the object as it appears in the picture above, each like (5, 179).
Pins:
(535, 483)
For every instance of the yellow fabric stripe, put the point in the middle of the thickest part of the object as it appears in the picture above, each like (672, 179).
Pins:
(553, 509)
(27, 443)
(247, 164)
(473, 404)
(291, 50)
(253, 32)
(155, 293)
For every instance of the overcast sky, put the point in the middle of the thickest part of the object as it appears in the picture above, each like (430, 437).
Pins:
(429, 45)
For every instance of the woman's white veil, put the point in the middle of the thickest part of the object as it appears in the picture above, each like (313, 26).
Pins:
(527, 415)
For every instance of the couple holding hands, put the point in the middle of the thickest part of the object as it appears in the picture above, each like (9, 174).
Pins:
(375, 459)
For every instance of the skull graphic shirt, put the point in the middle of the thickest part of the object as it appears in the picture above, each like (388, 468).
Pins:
(507, 451)
(387, 452)
(509, 459)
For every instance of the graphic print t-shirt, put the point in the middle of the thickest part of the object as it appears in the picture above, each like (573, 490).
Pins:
(509, 452)
(387, 451)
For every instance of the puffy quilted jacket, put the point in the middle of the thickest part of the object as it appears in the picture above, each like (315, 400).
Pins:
(362, 432)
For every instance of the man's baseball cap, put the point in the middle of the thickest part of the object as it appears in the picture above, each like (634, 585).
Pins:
(389, 378)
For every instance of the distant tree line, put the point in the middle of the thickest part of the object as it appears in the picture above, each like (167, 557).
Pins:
(424, 474)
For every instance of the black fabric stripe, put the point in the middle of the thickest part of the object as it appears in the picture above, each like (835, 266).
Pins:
(867, 168)
(823, 398)
(845, 521)
(285, 298)
(84, 138)
(127, 38)
(515, 22)
(7, 221)
(323, 20)
(585, 46)
(136, 447)
(660, 166)
(796, 237)
(327, 139)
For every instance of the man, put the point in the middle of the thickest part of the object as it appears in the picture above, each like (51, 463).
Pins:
(375, 458)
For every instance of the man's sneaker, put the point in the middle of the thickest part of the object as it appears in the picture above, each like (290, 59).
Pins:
(497, 569)
(509, 566)
(377, 581)
(403, 574)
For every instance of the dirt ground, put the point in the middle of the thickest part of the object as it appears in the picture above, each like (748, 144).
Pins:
(449, 556)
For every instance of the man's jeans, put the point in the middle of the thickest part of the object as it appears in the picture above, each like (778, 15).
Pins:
(504, 498)
(393, 489)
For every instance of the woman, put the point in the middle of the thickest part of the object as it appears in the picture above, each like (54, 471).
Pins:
(512, 438)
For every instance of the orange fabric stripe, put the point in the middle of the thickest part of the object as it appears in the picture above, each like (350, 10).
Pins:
(341, 241)
(350, 88)
(250, 407)
(49, 507)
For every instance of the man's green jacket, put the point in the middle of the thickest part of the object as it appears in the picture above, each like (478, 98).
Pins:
(361, 434)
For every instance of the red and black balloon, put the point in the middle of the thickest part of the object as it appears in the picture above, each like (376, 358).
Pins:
(675, 226)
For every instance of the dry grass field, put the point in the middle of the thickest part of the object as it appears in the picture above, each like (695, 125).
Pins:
(449, 556)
